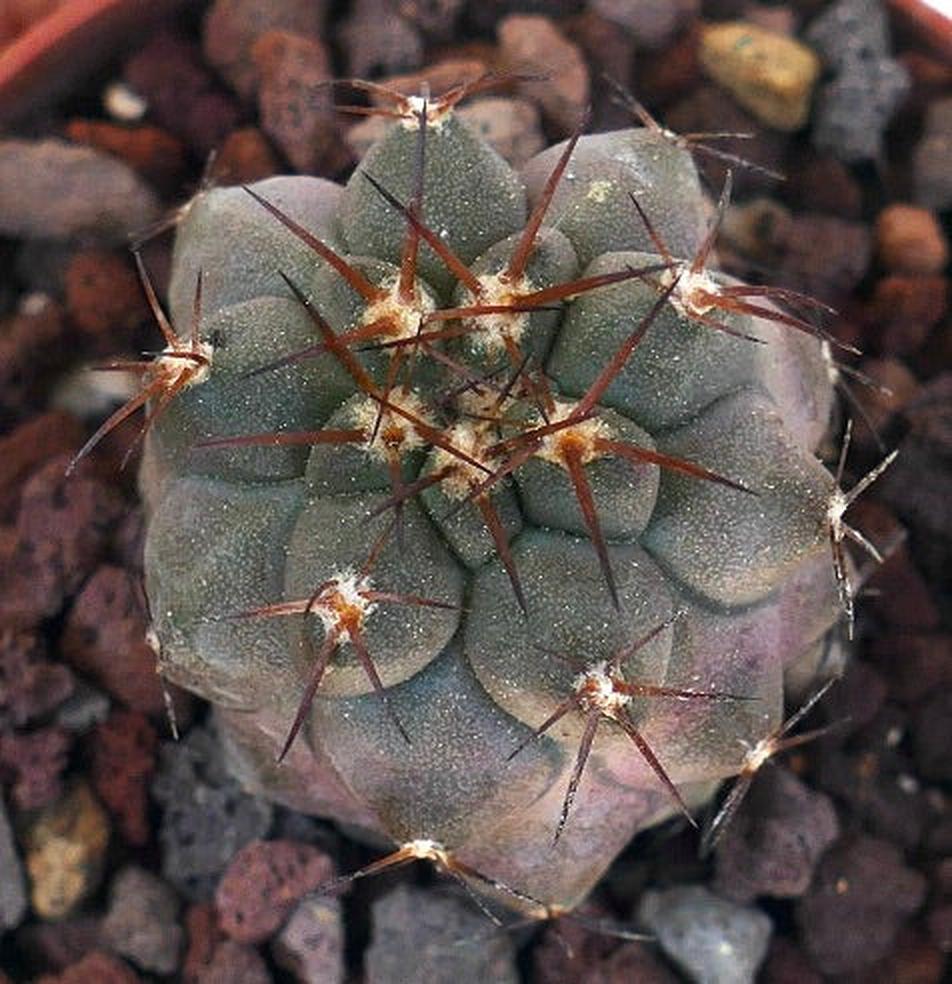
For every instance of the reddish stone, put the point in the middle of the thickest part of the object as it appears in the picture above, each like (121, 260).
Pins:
(105, 638)
(785, 964)
(532, 45)
(915, 960)
(36, 762)
(245, 156)
(824, 184)
(235, 963)
(25, 448)
(155, 154)
(909, 239)
(904, 309)
(295, 104)
(262, 883)
(182, 95)
(825, 256)
(204, 935)
(610, 55)
(862, 894)
(664, 76)
(233, 26)
(31, 353)
(53, 947)
(377, 41)
(98, 967)
(30, 685)
(103, 295)
(917, 664)
(123, 760)
(63, 529)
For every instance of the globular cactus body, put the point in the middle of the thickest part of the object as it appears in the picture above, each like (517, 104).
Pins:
(586, 515)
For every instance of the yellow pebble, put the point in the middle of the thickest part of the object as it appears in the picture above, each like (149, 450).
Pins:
(65, 847)
(769, 74)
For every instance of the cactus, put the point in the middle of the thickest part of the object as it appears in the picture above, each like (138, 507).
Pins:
(484, 510)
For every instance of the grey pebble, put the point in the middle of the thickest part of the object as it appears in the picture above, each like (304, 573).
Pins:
(435, 937)
(141, 923)
(51, 189)
(310, 945)
(713, 941)
(12, 886)
(207, 818)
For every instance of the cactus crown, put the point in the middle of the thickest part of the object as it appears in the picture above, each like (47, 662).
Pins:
(481, 500)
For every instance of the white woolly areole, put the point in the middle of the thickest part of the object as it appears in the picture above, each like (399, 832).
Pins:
(596, 691)
(395, 432)
(174, 365)
(489, 332)
(425, 849)
(473, 438)
(582, 435)
(404, 317)
(437, 113)
(343, 592)
(688, 297)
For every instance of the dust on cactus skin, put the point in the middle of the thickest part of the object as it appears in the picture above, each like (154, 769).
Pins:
(492, 520)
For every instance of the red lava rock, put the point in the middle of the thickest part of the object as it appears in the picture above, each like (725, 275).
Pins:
(917, 664)
(31, 353)
(295, 104)
(182, 95)
(377, 41)
(709, 108)
(233, 26)
(53, 947)
(63, 529)
(932, 737)
(609, 53)
(785, 964)
(567, 951)
(904, 309)
(434, 18)
(96, 968)
(826, 257)
(107, 622)
(30, 685)
(151, 151)
(916, 960)
(36, 761)
(533, 45)
(664, 76)
(25, 448)
(903, 596)
(245, 156)
(775, 840)
(235, 963)
(103, 295)
(909, 239)
(940, 928)
(861, 895)
(872, 775)
(123, 760)
(824, 184)
(262, 883)
(204, 936)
